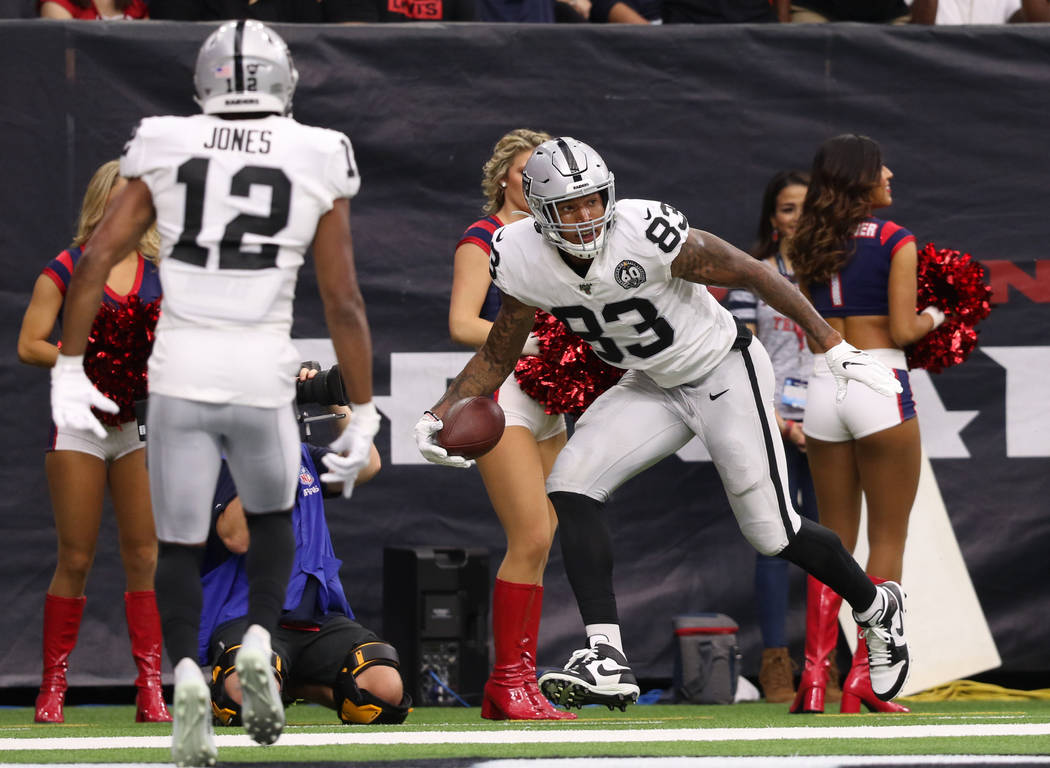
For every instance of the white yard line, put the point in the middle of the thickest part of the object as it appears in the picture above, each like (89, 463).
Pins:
(802, 761)
(557, 737)
(832, 761)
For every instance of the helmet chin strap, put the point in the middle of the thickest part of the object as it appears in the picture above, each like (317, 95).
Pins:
(577, 249)
(581, 250)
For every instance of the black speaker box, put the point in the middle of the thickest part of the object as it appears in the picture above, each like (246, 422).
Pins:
(436, 613)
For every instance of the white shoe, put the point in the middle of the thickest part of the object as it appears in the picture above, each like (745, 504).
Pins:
(598, 675)
(888, 657)
(192, 737)
(261, 708)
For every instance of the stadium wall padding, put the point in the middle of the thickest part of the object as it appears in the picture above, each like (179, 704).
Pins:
(698, 116)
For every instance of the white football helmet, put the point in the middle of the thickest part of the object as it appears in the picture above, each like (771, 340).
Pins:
(244, 66)
(563, 169)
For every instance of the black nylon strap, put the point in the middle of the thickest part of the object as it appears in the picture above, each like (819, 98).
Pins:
(367, 654)
(743, 335)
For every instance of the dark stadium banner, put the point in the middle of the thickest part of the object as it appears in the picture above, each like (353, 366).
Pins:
(699, 116)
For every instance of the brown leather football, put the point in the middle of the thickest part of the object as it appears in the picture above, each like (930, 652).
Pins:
(471, 427)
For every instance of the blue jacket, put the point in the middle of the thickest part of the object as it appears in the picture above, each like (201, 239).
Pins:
(225, 581)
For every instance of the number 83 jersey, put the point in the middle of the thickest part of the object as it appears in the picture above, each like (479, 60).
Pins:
(237, 205)
(628, 306)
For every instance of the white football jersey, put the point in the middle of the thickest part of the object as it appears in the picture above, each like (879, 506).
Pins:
(628, 307)
(237, 204)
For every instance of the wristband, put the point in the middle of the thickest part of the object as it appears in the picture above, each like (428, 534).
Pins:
(936, 314)
(72, 362)
(364, 418)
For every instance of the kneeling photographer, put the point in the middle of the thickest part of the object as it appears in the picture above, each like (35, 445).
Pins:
(321, 654)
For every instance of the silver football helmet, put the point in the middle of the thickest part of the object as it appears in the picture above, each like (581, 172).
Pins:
(563, 169)
(244, 66)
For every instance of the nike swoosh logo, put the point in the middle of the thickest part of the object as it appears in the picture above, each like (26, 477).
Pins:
(499, 235)
(850, 362)
(715, 397)
(605, 670)
(896, 627)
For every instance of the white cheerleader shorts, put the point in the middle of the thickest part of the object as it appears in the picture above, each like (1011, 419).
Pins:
(864, 411)
(522, 411)
(118, 442)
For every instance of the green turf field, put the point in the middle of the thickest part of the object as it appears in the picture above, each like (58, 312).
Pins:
(107, 734)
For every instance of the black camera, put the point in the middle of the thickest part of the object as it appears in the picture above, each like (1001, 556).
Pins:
(326, 388)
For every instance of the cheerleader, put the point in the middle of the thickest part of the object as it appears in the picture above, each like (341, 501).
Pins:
(80, 466)
(859, 271)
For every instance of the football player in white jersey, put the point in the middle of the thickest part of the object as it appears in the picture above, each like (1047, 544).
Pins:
(239, 193)
(628, 276)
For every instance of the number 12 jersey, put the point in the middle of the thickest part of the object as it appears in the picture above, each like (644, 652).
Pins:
(237, 202)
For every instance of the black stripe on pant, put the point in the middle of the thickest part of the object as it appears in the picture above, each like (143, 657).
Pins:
(767, 437)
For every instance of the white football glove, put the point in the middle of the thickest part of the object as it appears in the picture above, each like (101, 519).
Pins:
(73, 394)
(426, 430)
(356, 444)
(532, 346)
(847, 362)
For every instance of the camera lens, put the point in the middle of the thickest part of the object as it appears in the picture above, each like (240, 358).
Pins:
(326, 388)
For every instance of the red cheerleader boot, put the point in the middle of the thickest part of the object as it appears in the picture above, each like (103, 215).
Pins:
(822, 634)
(61, 626)
(140, 608)
(532, 634)
(506, 694)
(857, 688)
(507, 699)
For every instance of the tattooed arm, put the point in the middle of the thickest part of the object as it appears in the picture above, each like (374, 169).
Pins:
(496, 358)
(710, 260)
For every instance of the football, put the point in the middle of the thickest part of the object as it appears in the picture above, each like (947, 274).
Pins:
(471, 427)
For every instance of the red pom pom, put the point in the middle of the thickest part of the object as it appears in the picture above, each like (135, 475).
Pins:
(954, 283)
(566, 376)
(118, 348)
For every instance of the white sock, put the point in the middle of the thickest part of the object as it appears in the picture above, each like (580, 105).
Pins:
(874, 609)
(609, 634)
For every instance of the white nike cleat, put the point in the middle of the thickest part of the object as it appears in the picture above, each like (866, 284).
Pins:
(192, 737)
(598, 675)
(888, 655)
(262, 710)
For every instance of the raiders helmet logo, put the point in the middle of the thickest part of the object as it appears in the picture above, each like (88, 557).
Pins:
(629, 274)
(526, 184)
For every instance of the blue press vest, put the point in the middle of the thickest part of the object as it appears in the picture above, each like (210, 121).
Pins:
(225, 581)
